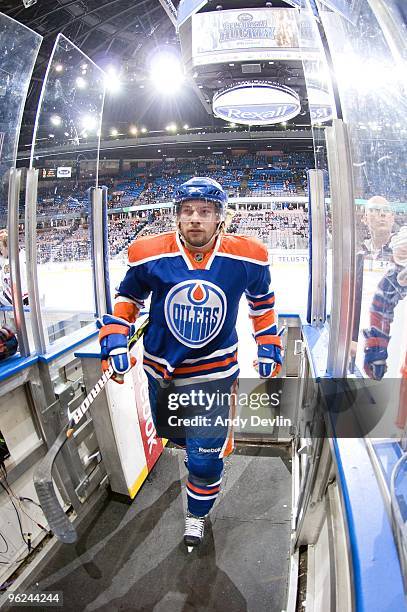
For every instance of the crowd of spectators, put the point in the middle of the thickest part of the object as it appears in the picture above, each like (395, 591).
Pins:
(242, 175)
(166, 223)
(278, 229)
(122, 232)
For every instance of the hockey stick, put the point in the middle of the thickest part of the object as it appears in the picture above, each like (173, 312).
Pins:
(58, 521)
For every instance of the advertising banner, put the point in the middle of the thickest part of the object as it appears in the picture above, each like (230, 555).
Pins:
(64, 172)
(152, 444)
(252, 34)
(256, 103)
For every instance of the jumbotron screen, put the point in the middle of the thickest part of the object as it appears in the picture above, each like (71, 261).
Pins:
(250, 34)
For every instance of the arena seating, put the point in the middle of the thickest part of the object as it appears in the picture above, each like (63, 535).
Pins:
(278, 229)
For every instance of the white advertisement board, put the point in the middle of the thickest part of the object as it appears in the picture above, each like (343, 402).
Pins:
(64, 172)
(256, 103)
(249, 34)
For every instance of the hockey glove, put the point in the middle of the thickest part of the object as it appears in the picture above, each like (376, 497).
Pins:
(270, 360)
(375, 353)
(113, 337)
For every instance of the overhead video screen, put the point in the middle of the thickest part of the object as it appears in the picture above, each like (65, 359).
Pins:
(250, 34)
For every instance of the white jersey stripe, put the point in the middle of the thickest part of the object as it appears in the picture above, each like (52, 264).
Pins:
(200, 497)
(161, 360)
(240, 258)
(219, 353)
(204, 377)
(153, 258)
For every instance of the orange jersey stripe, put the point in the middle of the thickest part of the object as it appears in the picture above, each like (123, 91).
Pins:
(202, 491)
(244, 246)
(208, 366)
(151, 246)
(270, 301)
(157, 366)
(263, 321)
(269, 340)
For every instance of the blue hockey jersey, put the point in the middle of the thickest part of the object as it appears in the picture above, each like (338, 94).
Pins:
(194, 303)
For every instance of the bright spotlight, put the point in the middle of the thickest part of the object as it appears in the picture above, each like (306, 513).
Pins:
(114, 132)
(186, 126)
(133, 130)
(56, 120)
(112, 80)
(143, 130)
(172, 127)
(89, 122)
(59, 68)
(166, 73)
(81, 83)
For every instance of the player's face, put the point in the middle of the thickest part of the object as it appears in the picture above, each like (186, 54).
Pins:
(198, 221)
(380, 218)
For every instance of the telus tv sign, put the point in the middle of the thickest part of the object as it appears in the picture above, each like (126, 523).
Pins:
(256, 103)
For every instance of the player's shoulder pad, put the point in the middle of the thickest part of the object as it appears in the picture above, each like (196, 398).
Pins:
(244, 247)
(148, 248)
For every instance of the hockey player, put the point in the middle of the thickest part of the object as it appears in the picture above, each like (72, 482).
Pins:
(196, 276)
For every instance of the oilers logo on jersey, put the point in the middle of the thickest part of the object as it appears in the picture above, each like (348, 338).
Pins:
(195, 311)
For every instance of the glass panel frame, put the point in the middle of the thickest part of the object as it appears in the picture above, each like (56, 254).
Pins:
(19, 50)
(371, 87)
(65, 151)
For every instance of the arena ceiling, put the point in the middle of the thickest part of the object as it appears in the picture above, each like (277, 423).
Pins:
(126, 33)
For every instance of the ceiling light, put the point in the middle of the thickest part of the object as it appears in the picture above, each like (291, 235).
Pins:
(172, 127)
(166, 73)
(143, 130)
(89, 122)
(56, 120)
(81, 83)
(114, 132)
(186, 126)
(59, 67)
(133, 130)
(112, 80)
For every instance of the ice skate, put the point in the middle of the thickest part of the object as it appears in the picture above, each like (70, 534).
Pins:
(194, 531)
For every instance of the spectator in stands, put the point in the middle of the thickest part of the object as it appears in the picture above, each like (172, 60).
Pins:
(5, 279)
(379, 220)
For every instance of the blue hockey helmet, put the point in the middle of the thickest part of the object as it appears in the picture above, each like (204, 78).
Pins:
(202, 188)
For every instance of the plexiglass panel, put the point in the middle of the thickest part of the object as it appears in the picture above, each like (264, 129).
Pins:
(322, 110)
(18, 52)
(370, 72)
(66, 153)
